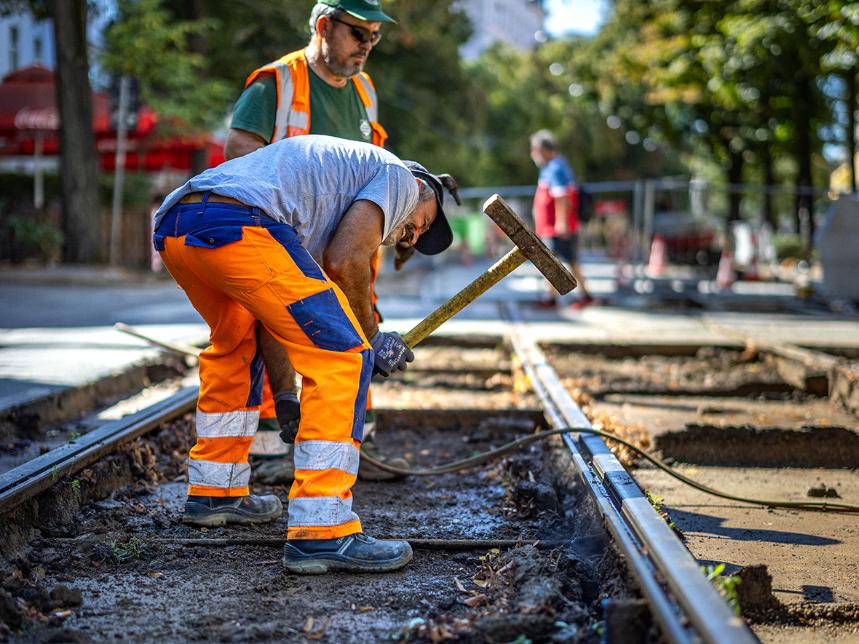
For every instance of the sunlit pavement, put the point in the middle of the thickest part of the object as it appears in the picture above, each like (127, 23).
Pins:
(56, 326)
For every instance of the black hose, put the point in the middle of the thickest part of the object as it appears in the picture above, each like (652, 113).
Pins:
(477, 459)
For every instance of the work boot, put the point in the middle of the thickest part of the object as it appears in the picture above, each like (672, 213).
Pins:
(355, 553)
(367, 472)
(214, 511)
(274, 470)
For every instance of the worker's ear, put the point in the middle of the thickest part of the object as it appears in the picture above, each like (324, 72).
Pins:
(322, 25)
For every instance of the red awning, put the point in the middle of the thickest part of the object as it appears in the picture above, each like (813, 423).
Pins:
(28, 110)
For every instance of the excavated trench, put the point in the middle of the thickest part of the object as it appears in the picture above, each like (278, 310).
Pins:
(101, 555)
(718, 406)
(726, 418)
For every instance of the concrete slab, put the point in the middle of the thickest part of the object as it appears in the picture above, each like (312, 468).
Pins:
(812, 557)
(37, 362)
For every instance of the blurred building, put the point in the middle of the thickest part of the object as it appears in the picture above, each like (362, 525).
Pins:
(25, 41)
(516, 23)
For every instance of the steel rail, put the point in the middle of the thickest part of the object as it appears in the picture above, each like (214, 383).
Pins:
(686, 605)
(27, 480)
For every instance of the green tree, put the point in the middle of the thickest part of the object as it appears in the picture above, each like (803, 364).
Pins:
(148, 44)
(737, 80)
(841, 29)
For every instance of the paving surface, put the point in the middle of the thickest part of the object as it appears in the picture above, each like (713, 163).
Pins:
(55, 325)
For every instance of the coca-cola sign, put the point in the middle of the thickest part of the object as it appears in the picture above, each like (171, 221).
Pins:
(45, 118)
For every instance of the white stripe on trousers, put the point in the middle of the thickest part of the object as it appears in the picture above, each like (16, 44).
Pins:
(327, 455)
(268, 443)
(224, 475)
(228, 423)
(320, 511)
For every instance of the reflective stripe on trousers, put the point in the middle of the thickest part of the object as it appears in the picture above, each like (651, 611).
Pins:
(235, 275)
(267, 441)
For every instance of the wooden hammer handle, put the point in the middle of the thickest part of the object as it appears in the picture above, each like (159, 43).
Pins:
(497, 272)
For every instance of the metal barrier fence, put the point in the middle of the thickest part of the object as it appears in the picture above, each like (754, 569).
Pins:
(689, 216)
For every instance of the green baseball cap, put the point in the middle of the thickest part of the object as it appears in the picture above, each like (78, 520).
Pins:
(369, 10)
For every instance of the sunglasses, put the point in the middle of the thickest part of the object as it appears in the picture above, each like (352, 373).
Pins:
(360, 34)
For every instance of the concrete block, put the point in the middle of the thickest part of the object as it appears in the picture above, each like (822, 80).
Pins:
(838, 245)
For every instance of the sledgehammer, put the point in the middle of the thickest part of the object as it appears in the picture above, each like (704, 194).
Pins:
(528, 247)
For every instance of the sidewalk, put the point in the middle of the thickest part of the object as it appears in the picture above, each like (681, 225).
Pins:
(56, 325)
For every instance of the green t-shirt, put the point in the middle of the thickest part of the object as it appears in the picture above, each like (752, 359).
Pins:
(335, 111)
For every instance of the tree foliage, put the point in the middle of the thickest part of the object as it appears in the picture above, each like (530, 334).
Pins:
(146, 42)
(739, 81)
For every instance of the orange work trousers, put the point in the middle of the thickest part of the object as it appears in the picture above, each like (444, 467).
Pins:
(267, 441)
(238, 266)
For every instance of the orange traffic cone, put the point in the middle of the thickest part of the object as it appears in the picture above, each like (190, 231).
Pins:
(658, 257)
(725, 276)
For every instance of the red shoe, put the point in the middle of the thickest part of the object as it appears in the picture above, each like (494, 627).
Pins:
(546, 303)
(581, 303)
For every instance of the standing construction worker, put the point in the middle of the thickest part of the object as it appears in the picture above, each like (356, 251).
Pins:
(247, 241)
(556, 217)
(321, 89)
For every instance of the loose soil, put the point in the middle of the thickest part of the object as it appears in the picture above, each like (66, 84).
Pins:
(712, 372)
(87, 564)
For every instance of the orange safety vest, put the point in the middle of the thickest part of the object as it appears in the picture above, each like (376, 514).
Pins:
(293, 97)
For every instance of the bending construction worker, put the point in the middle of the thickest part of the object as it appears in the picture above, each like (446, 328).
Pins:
(321, 89)
(284, 236)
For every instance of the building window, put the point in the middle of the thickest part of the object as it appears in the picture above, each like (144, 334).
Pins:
(13, 47)
(37, 49)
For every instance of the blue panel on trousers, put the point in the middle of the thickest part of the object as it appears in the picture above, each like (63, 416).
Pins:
(257, 373)
(214, 237)
(324, 321)
(158, 242)
(286, 237)
(361, 400)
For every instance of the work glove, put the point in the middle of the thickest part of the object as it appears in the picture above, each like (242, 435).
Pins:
(288, 412)
(391, 353)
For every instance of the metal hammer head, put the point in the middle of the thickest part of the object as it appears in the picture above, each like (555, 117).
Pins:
(530, 245)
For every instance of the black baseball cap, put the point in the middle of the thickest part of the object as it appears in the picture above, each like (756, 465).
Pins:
(438, 236)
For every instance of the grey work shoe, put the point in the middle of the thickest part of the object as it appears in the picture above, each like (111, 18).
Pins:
(355, 553)
(214, 511)
(274, 470)
(368, 472)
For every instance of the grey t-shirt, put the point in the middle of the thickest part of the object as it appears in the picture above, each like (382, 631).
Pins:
(309, 182)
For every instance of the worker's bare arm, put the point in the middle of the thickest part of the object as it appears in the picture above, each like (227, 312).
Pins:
(241, 142)
(348, 256)
(562, 209)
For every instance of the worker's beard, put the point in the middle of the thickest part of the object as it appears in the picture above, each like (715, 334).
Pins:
(403, 231)
(343, 70)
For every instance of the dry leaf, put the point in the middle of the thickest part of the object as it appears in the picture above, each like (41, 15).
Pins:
(459, 585)
(440, 632)
(475, 600)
